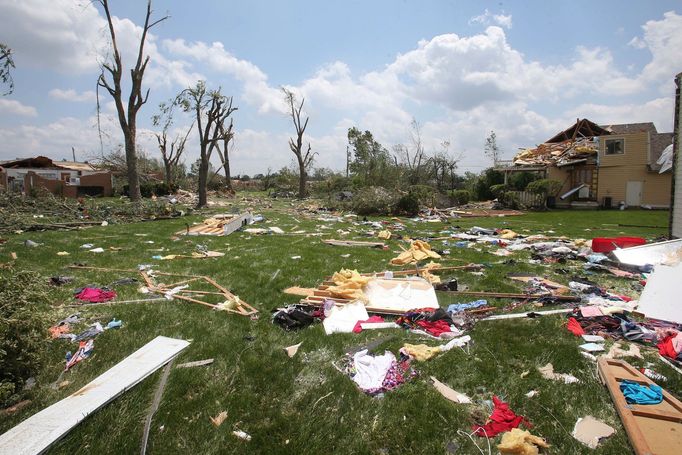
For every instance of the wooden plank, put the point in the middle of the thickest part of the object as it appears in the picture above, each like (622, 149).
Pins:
(354, 243)
(652, 429)
(37, 433)
(512, 295)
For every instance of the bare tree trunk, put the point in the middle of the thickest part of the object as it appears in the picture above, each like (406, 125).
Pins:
(203, 180)
(136, 100)
(228, 177)
(302, 178)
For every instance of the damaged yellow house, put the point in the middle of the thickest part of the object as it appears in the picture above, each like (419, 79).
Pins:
(602, 165)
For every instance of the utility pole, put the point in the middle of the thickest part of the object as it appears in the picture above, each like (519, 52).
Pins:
(347, 161)
(73, 153)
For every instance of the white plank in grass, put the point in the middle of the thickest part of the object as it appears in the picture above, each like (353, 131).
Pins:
(37, 433)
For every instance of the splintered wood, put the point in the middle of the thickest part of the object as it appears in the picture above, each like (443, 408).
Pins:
(218, 225)
(181, 290)
(316, 296)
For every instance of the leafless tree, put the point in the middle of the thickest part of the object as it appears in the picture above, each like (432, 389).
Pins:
(170, 153)
(211, 109)
(412, 157)
(227, 137)
(110, 80)
(304, 159)
(6, 65)
(491, 149)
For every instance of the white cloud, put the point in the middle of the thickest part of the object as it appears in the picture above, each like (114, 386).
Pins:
(61, 35)
(256, 92)
(663, 38)
(14, 107)
(487, 17)
(73, 95)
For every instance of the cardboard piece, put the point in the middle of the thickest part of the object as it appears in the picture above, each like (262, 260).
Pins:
(660, 298)
(652, 429)
(37, 433)
(590, 431)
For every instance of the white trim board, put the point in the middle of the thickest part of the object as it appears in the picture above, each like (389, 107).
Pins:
(37, 433)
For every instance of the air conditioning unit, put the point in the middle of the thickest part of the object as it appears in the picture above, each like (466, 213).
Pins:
(584, 192)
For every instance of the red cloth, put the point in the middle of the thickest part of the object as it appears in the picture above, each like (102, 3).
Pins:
(435, 328)
(358, 329)
(95, 295)
(666, 348)
(574, 327)
(502, 419)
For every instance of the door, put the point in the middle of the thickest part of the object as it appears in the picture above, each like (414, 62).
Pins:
(633, 194)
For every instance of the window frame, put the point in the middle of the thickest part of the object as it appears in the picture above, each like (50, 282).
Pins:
(606, 146)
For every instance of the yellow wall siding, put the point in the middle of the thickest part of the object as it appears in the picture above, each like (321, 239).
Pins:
(616, 170)
(560, 174)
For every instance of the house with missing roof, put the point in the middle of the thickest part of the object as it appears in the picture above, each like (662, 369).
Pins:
(64, 178)
(602, 165)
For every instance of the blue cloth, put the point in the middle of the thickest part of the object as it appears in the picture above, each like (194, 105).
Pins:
(639, 394)
(457, 307)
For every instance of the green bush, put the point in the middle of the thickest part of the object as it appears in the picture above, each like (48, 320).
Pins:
(544, 186)
(498, 190)
(23, 329)
(510, 199)
(424, 194)
(460, 197)
(481, 189)
(373, 200)
(407, 205)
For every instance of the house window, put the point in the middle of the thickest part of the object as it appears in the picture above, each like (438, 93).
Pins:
(614, 147)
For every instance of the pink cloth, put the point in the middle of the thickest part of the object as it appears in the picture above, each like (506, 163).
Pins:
(358, 328)
(95, 295)
(590, 311)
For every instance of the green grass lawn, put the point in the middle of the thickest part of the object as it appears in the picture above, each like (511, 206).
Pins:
(304, 405)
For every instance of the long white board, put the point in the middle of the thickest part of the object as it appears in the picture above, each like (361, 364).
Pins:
(35, 434)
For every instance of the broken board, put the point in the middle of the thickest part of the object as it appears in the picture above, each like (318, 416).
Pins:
(652, 429)
(668, 252)
(354, 243)
(37, 433)
(660, 297)
(218, 225)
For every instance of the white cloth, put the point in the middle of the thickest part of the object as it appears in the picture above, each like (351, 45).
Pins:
(342, 319)
(371, 370)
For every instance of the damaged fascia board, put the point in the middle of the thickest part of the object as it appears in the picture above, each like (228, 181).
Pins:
(660, 297)
(572, 191)
(653, 253)
(37, 433)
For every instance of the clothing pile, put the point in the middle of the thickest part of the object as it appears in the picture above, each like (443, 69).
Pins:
(437, 324)
(502, 419)
(94, 295)
(296, 317)
(377, 374)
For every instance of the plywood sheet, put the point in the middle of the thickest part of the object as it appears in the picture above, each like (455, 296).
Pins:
(37, 433)
(652, 429)
(660, 297)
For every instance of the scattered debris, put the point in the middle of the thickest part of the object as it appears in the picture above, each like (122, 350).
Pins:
(520, 442)
(450, 394)
(218, 225)
(591, 431)
(547, 372)
(37, 433)
(292, 350)
(219, 419)
(242, 435)
(196, 363)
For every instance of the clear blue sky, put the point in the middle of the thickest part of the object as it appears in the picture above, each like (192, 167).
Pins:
(524, 69)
